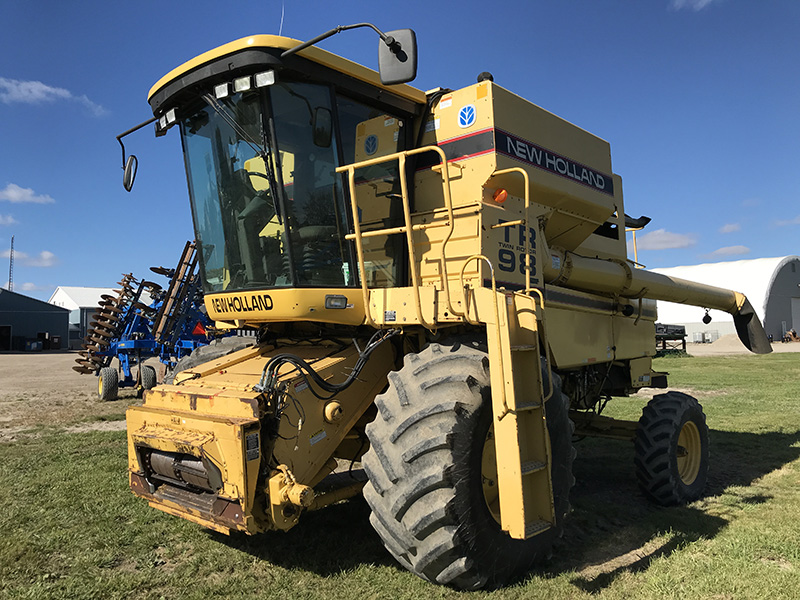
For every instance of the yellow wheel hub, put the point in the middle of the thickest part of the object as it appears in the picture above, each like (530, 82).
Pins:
(489, 475)
(689, 453)
(100, 385)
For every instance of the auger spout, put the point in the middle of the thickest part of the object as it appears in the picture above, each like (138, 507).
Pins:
(621, 278)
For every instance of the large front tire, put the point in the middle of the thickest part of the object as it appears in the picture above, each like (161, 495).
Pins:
(671, 449)
(425, 474)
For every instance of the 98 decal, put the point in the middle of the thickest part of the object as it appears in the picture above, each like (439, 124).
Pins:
(511, 251)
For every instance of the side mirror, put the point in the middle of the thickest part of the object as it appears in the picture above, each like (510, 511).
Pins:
(131, 166)
(323, 127)
(397, 60)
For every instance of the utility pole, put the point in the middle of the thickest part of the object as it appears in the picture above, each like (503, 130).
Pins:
(11, 267)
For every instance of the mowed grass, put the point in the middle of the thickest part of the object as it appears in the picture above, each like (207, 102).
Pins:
(71, 529)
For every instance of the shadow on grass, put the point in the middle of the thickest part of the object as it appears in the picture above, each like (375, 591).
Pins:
(325, 542)
(614, 530)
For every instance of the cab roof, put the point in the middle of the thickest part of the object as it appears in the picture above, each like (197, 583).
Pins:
(312, 53)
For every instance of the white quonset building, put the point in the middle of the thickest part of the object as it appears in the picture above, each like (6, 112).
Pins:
(82, 302)
(772, 285)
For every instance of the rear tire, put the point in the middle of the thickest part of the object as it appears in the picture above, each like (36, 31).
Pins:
(108, 384)
(671, 448)
(425, 484)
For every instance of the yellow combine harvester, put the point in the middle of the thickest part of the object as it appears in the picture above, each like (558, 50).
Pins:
(442, 294)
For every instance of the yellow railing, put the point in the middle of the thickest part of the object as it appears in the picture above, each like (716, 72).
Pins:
(407, 228)
(529, 289)
(525, 223)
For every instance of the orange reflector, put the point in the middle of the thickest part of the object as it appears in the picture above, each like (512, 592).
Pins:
(199, 329)
(500, 195)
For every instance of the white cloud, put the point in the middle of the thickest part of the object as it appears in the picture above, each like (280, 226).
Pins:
(795, 221)
(35, 92)
(32, 287)
(16, 194)
(694, 5)
(730, 228)
(731, 251)
(43, 259)
(7, 220)
(661, 239)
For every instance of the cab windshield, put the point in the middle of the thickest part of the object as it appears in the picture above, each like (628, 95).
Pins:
(268, 208)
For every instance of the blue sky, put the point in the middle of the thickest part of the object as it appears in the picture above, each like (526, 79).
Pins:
(700, 100)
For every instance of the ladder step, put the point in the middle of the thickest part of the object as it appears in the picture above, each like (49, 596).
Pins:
(535, 527)
(523, 406)
(532, 466)
(524, 348)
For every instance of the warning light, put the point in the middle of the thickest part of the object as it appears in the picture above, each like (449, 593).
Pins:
(199, 329)
(500, 195)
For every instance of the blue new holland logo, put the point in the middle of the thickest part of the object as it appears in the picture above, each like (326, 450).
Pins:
(371, 144)
(466, 116)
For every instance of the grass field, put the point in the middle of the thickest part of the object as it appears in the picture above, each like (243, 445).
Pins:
(71, 529)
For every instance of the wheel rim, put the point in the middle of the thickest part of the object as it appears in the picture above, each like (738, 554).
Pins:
(689, 452)
(100, 385)
(489, 475)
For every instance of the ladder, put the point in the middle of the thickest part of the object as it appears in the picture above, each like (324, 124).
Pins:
(522, 444)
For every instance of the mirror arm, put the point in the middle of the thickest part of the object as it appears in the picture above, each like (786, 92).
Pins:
(131, 130)
(387, 39)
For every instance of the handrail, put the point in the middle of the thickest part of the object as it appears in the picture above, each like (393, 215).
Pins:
(499, 352)
(362, 271)
(408, 228)
(539, 293)
(526, 220)
(528, 287)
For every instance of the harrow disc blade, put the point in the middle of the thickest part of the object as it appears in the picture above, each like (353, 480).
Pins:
(152, 286)
(109, 316)
(144, 308)
(83, 370)
(162, 271)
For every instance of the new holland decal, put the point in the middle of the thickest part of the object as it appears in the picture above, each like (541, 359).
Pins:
(251, 303)
(497, 140)
(543, 158)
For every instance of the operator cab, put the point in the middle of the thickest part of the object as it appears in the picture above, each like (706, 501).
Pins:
(262, 142)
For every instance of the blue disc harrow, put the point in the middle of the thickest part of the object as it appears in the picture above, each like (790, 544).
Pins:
(145, 320)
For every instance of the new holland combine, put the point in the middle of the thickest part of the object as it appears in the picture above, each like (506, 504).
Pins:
(442, 293)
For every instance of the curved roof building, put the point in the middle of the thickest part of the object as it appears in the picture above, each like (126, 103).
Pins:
(771, 284)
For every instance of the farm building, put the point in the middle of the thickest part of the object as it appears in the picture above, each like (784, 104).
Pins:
(771, 284)
(82, 303)
(30, 324)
